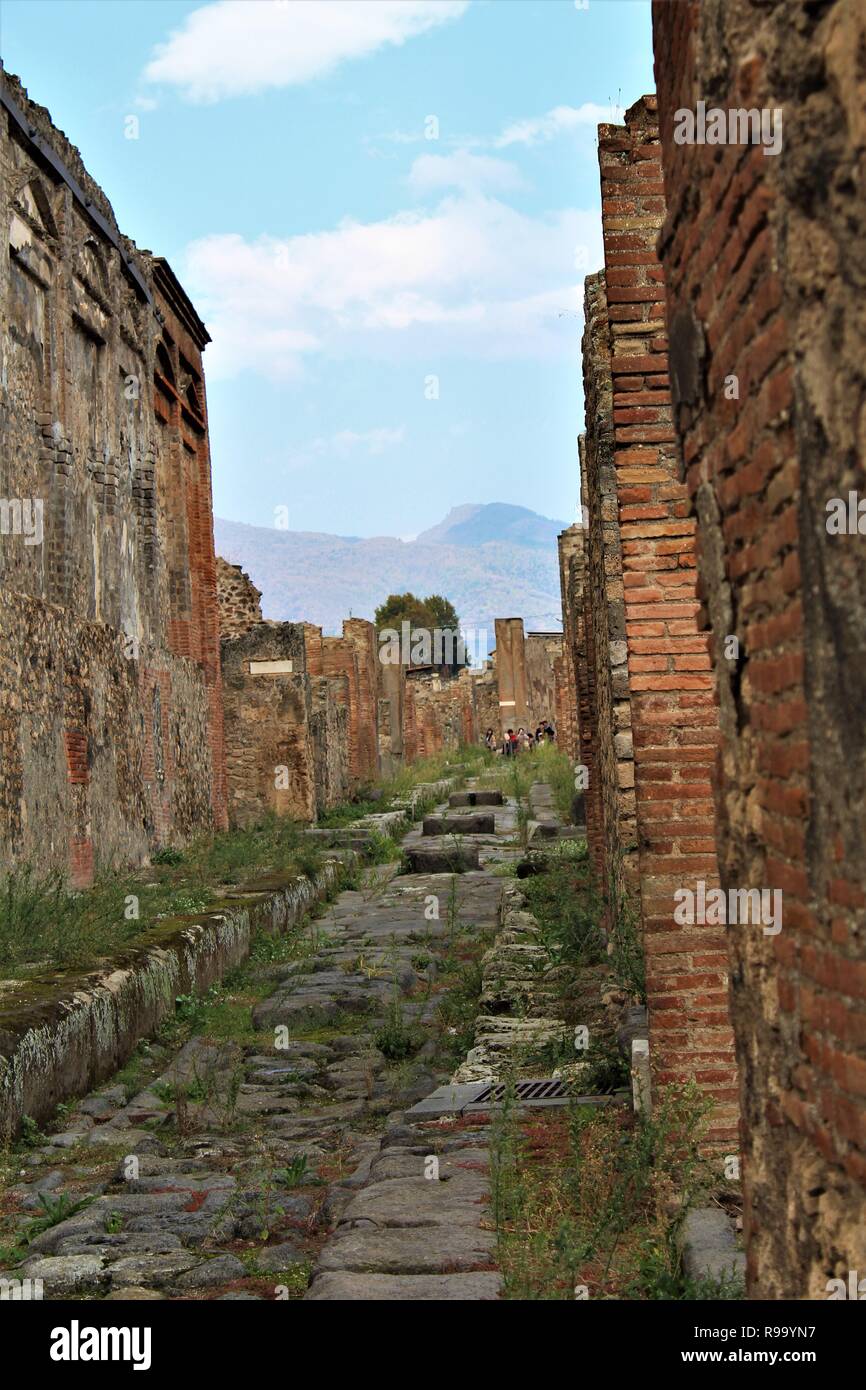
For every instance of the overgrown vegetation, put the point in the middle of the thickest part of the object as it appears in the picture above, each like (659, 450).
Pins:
(469, 760)
(397, 1039)
(43, 922)
(589, 1203)
(565, 901)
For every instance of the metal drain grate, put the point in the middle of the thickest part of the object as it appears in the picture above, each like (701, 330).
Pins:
(526, 1091)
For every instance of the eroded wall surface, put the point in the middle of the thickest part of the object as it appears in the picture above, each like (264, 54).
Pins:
(239, 599)
(109, 685)
(765, 261)
(268, 713)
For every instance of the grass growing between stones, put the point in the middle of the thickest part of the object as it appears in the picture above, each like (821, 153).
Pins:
(467, 760)
(567, 906)
(44, 924)
(581, 926)
(588, 1203)
(550, 764)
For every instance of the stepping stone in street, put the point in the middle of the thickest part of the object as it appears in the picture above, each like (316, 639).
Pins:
(475, 799)
(477, 823)
(551, 830)
(444, 858)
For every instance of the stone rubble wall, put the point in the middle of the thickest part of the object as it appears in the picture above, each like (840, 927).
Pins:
(571, 561)
(239, 600)
(268, 714)
(543, 651)
(764, 258)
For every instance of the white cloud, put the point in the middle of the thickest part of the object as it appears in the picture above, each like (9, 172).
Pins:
(469, 172)
(471, 277)
(537, 128)
(238, 47)
(347, 442)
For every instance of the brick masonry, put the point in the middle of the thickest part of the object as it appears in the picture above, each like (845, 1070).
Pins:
(674, 713)
(765, 262)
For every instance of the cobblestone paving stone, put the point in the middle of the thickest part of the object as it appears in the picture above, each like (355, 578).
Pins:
(283, 1167)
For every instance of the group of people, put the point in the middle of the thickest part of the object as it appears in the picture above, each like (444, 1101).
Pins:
(513, 743)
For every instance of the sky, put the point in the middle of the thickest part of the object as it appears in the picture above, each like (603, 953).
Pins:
(382, 209)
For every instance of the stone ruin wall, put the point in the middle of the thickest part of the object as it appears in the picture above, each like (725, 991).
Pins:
(611, 790)
(268, 715)
(570, 553)
(765, 263)
(110, 707)
(341, 717)
(543, 650)
(239, 599)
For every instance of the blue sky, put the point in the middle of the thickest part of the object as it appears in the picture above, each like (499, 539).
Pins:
(383, 210)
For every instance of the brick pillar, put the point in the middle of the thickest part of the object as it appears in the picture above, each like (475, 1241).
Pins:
(511, 673)
(340, 658)
(673, 702)
(362, 635)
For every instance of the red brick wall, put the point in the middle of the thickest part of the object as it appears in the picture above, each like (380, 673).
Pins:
(673, 701)
(184, 465)
(764, 261)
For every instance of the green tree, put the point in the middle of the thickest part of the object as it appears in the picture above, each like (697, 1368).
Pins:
(423, 615)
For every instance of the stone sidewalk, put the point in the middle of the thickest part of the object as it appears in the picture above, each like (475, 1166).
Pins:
(243, 1168)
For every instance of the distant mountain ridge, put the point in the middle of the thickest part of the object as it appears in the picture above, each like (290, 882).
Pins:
(477, 523)
(491, 560)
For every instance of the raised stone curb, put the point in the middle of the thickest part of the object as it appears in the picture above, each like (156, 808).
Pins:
(59, 1041)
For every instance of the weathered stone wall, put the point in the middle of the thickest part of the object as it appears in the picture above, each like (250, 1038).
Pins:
(268, 713)
(329, 733)
(542, 651)
(765, 262)
(362, 636)
(340, 658)
(96, 749)
(439, 711)
(104, 461)
(570, 548)
(239, 600)
(486, 699)
(607, 483)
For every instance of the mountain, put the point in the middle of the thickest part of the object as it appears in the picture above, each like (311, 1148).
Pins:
(491, 561)
(477, 523)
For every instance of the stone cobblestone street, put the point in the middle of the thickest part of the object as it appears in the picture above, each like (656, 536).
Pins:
(247, 1171)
